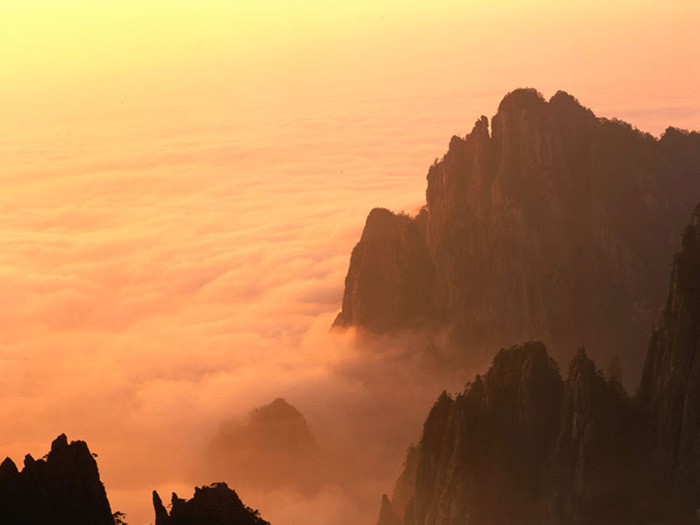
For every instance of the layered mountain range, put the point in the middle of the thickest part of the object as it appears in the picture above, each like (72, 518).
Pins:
(548, 223)
(521, 445)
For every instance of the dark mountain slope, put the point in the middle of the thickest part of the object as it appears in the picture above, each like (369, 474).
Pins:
(521, 446)
(390, 281)
(62, 489)
(213, 505)
(518, 445)
(670, 389)
(557, 226)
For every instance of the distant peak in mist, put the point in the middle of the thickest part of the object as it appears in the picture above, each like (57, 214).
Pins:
(272, 446)
(279, 408)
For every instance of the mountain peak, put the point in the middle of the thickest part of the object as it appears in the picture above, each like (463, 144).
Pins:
(215, 504)
(60, 443)
(670, 388)
(522, 98)
(550, 224)
(65, 488)
(383, 224)
(272, 446)
(581, 364)
(8, 469)
(278, 407)
(563, 98)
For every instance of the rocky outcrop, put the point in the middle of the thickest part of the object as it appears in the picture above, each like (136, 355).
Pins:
(64, 488)
(555, 225)
(519, 445)
(670, 390)
(272, 447)
(483, 455)
(390, 282)
(387, 516)
(216, 504)
(497, 453)
(596, 474)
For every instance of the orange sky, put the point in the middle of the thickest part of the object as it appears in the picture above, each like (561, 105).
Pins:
(183, 183)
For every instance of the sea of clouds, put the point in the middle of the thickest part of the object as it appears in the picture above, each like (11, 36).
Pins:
(173, 244)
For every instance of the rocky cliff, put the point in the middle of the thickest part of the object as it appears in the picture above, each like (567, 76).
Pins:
(62, 489)
(390, 281)
(213, 505)
(554, 225)
(503, 423)
(595, 473)
(483, 454)
(670, 389)
(521, 445)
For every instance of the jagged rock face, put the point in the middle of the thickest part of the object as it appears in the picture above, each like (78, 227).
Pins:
(482, 456)
(596, 473)
(387, 516)
(271, 448)
(670, 390)
(63, 489)
(213, 505)
(557, 226)
(390, 281)
(405, 487)
(521, 446)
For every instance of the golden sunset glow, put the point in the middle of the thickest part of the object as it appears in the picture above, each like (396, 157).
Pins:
(183, 182)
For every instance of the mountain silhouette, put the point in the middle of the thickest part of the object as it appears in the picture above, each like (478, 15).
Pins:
(521, 445)
(216, 504)
(64, 488)
(546, 223)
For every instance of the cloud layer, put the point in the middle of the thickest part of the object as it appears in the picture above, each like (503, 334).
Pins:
(174, 238)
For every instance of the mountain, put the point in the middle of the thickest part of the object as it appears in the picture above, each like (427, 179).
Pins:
(670, 388)
(391, 275)
(503, 423)
(521, 445)
(213, 505)
(552, 225)
(62, 489)
(595, 473)
(270, 448)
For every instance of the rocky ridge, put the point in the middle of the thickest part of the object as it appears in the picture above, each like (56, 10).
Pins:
(553, 225)
(520, 444)
(216, 504)
(669, 393)
(63, 488)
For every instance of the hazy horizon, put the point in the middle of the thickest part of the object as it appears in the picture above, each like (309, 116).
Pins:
(184, 183)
